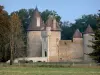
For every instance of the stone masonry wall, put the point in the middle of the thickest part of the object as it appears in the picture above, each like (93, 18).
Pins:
(71, 51)
(53, 46)
(34, 48)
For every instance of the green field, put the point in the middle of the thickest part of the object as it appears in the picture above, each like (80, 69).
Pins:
(12, 70)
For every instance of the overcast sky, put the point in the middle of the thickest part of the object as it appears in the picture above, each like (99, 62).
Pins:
(69, 10)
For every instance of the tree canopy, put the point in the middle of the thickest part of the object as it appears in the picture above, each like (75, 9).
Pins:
(80, 23)
(4, 37)
(96, 43)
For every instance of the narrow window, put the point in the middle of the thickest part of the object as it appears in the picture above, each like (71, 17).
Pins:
(45, 54)
(38, 21)
(54, 23)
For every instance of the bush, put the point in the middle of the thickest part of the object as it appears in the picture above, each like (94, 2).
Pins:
(22, 61)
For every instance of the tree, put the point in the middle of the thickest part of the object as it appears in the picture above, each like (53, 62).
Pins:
(25, 16)
(96, 43)
(16, 38)
(4, 38)
(66, 30)
(80, 23)
(47, 12)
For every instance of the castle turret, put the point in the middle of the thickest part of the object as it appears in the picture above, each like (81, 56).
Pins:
(36, 22)
(51, 22)
(53, 38)
(78, 45)
(87, 37)
(34, 35)
(77, 35)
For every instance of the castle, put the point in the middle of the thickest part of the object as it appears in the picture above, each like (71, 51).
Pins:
(44, 41)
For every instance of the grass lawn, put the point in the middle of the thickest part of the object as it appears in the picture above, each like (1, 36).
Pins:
(14, 70)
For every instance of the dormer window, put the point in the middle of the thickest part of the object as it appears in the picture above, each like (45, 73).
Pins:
(38, 21)
(54, 23)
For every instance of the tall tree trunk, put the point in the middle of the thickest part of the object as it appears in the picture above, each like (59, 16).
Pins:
(12, 49)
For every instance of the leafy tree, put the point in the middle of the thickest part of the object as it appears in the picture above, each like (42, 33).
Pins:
(80, 23)
(66, 31)
(25, 16)
(4, 32)
(16, 37)
(96, 43)
(47, 12)
(85, 20)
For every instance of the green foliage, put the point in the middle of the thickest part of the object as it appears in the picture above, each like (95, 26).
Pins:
(66, 32)
(25, 17)
(47, 12)
(81, 24)
(4, 35)
(10, 25)
(16, 31)
(96, 43)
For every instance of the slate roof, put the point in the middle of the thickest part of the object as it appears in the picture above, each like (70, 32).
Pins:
(88, 30)
(77, 34)
(49, 23)
(33, 24)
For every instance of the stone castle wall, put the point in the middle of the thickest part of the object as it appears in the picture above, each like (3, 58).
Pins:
(59, 50)
(53, 46)
(71, 50)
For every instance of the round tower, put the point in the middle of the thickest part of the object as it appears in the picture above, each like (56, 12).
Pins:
(87, 38)
(77, 45)
(34, 44)
(53, 38)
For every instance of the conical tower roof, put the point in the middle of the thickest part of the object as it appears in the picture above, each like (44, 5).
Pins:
(50, 23)
(33, 24)
(88, 30)
(77, 34)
